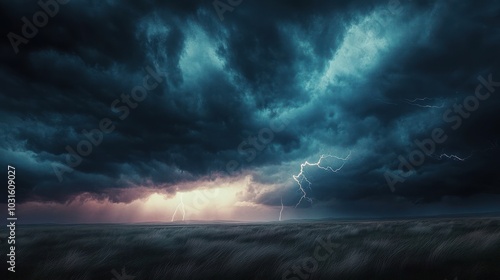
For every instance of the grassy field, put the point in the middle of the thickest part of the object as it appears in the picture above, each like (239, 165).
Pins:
(410, 249)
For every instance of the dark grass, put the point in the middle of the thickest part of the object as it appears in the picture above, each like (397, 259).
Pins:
(411, 249)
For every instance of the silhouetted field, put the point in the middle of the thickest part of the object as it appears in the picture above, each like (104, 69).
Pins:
(411, 249)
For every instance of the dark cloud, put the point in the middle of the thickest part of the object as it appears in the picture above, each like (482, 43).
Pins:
(343, 75)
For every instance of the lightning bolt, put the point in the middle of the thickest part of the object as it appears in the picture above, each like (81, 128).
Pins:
(453, 157)
(299, 178)
(180, 205)
(281, 211)
(494, 145)
(417, 101)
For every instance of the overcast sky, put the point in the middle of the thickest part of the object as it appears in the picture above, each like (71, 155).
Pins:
(239, 97)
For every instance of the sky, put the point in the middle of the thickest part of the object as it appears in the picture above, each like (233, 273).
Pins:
(137, 111)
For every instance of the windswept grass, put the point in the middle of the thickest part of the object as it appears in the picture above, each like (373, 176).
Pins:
(412, 249)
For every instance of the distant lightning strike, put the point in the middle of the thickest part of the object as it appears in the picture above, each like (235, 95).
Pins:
(453, 157)
(281, 211)
(180, 205)
(417, 101)
(299, 178)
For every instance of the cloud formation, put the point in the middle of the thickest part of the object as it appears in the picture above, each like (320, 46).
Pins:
(368, 77)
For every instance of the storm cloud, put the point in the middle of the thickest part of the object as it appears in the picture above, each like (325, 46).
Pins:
(271, 86)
